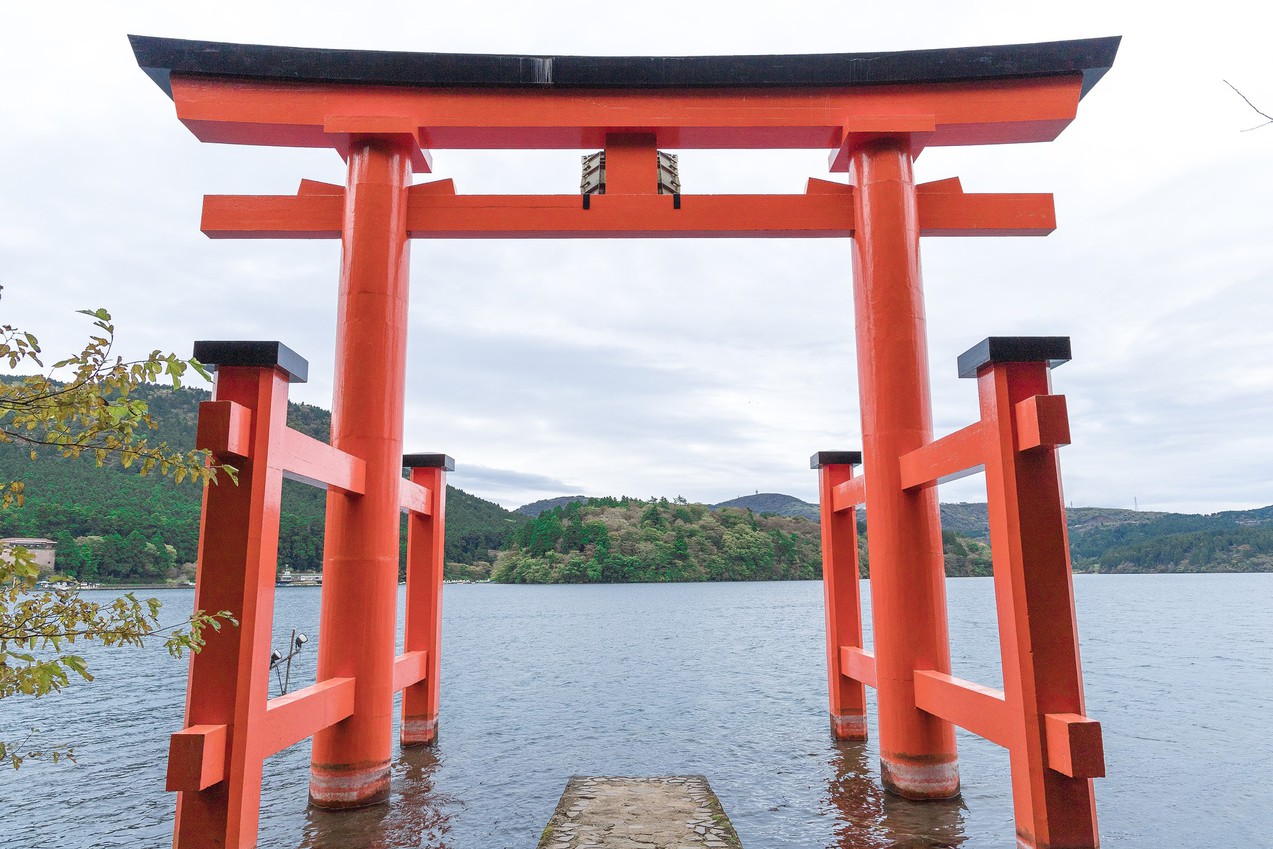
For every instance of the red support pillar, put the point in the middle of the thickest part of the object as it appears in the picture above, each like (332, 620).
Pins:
(908, 594)
(426, 557)
(350, 761)
(1058, 750)
(215, 763)
(840, 593)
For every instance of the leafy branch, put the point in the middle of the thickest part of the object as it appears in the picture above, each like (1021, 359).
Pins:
(1268, 118)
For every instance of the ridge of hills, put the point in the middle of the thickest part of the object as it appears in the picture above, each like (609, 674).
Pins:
(112, 526)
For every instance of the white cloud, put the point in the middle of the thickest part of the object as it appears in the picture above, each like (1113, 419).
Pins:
(702, 368)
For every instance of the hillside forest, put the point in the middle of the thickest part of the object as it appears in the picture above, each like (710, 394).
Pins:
(113, 527)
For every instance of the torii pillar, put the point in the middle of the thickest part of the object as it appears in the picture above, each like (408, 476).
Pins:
(917, 749)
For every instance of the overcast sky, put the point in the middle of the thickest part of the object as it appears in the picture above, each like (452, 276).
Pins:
(708, 369)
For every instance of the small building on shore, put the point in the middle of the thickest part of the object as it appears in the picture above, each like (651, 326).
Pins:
(44, 551)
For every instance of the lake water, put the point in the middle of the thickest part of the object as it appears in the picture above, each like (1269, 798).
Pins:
(726, 680)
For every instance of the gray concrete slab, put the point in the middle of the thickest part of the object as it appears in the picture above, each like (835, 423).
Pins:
(663, 812)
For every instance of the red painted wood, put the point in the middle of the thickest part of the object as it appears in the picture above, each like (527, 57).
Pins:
(426, 557)
(238, 552)
(1034, 596)
(908, 599)
(842, 603)
(349, 765)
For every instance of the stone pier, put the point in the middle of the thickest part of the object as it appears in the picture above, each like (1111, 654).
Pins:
(664, 812)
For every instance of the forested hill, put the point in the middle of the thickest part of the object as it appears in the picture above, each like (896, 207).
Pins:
(113, 526)
(623, 540)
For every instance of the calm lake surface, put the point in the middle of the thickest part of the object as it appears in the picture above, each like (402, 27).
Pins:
(726, 680)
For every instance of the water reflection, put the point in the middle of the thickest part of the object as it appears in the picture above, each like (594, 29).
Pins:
(870, 818)
(415, 818)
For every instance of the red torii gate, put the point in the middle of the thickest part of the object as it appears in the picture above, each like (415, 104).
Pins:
(384, 112)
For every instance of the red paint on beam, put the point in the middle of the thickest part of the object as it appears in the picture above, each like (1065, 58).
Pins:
(1074, 745)
(196, 758)
(1042, 422)
(410, 668)
(952, 457)
(416, 498)
(978, 709)
(954, 214)
(849, 494)
(296, 115)
(224, 428)
(301, 714)
(307, 460)
(858, 664)
(306, 216)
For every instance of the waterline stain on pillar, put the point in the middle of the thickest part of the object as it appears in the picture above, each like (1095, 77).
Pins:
(664, 812)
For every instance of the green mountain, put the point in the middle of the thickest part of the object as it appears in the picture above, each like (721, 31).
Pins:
(113, 526)
(534, 508)
(625, 540)
(773, 504)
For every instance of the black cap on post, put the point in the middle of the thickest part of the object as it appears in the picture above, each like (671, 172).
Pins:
(253, 354)
(835, 458)
(1053, 350)
(428, 461)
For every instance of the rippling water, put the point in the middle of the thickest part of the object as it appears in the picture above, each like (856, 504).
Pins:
(727, 680)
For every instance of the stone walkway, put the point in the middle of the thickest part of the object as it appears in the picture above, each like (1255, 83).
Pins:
(668, 812)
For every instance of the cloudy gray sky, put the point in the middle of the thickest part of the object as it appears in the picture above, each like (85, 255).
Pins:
(708, 369)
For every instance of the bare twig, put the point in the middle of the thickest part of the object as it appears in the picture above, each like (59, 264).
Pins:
(1257, 109)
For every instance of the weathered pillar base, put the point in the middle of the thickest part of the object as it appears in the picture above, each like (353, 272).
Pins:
(929, 778)
(353, 786)
(848, 726)
(419, 731)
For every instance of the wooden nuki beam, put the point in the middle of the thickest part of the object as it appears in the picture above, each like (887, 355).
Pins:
(434, 211)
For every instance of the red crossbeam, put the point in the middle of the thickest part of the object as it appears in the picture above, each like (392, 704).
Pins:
(416, 498)
(952, 457)
(978, 709)
(301, 714)
(849, 494)
(410, 668)
(858, 664)
(437, 215)
(225, 428)
(324, 115)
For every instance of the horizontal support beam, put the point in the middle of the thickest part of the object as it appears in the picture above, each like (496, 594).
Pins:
(316, 463)
(954, 456)
(294, 114)
(415, 498)
(1074, 745)
(1042, 422)
(292, 718)
(196, 758)
(224, 428)
(410, 668)
(305, 216)
(858, 664)
(975, 708)
(436, 213)
(848, 495)
(959, 214)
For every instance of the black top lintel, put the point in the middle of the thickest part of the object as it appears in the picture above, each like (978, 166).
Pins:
(1054, 350)
(160, 58)
(255, 354)
(428, 461)
(835, 458)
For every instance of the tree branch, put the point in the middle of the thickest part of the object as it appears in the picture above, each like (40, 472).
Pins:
(1257, 109)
